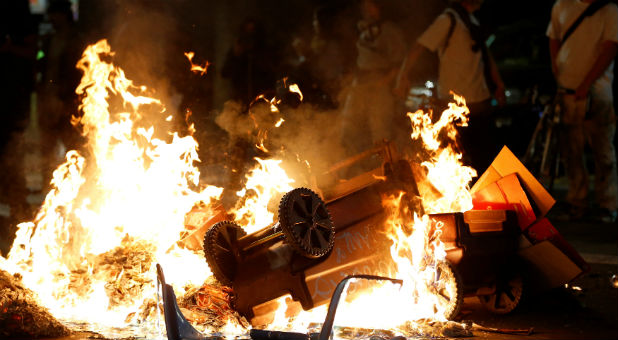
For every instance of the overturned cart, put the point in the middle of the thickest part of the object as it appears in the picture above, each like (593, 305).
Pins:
(320, 239)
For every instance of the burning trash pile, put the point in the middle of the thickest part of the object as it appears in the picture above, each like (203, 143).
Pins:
(133, 206)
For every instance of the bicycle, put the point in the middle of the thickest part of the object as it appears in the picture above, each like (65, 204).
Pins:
(542, 155)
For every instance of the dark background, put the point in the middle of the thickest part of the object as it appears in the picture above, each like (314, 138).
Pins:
(166, 28)
(209, 29)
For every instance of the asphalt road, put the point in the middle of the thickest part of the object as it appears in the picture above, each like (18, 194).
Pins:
(563, 313)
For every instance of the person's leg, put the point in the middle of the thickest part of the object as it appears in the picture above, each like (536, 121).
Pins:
(381, 111)
(600, 133)
(572, 144)
(355, 133)
(477, 139)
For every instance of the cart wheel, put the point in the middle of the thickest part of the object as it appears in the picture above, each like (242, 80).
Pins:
(221, 250)
(448, 289)
(506, 297)
(306, 223)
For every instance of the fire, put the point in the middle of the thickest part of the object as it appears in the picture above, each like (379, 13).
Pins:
(418, 256)
(265, 181)
(295, 89)
(119, 209)
(445, 172)
(430, 290)
(196, 68)
(127, 197)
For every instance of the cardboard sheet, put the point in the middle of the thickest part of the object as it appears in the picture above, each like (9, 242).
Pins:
(543, 230)
(551, 267)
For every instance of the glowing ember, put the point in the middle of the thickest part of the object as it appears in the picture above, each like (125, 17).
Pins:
(295, 89)
(261, 125)
(195, 68)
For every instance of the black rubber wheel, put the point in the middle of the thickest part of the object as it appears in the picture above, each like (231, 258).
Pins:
(506, 296)
(448, 288)
(306, 223)
(221, 250)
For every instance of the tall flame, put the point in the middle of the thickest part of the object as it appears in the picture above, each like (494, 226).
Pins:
(445, 171)
(127, 196)
(266, 181)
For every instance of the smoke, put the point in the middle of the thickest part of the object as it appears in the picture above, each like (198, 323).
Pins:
(149, 39)
(143, 37)
(308, 140)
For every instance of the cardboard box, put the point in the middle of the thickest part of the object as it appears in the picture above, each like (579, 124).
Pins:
(506, 194)
(507, 184)
(543, 230)
(505, 164)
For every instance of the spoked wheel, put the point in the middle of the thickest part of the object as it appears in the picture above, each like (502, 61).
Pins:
(306, 223)
(506, 296)
(221, 250)
(447, 287)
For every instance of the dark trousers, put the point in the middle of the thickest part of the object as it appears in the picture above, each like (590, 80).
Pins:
(478, 140)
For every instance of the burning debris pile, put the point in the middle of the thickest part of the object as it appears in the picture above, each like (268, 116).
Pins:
(114, 211)
(127, 264)
(20, 313)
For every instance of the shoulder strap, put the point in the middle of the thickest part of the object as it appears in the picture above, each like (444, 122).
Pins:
(451, 28)
(592, 8)
(478, 37)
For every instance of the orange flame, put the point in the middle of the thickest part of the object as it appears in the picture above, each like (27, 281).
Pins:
(196, 68)
(444, 169)
(266, 181)
(430, 290)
